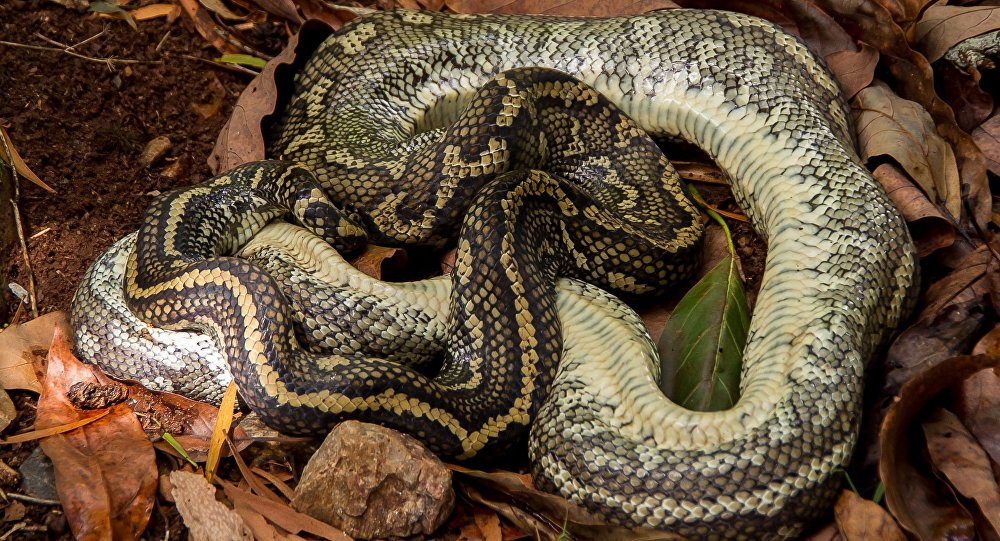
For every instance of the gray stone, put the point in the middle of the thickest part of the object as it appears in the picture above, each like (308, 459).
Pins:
(374, 482)
(38, 476)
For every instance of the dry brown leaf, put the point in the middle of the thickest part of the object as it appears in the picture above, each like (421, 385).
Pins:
(241, 139)
(205, 26)
(942, 27)
(912, 78)
(488, 523)
(23, 347)
(930, 229)
(987, 137)
(105, 472)
(7, 410)
(377, 260)
(219, 8)
(282, 8)
(283, 515)
(826, 533)
(546, 515)
(961, 90)
(222, 423)
(956, 454)
(19, 165)
(592, 8)
(978, 404)
(859, 519)
(854, 69)
(889, 125)
(38, 434)
(205, 517)
(916, 501)
(155, 11)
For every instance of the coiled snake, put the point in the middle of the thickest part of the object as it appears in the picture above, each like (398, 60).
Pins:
(407, 121)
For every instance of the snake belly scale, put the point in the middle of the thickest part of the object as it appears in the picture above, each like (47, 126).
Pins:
(407, 121)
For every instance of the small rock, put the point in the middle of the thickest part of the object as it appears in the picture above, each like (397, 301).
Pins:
(38, 476)
(372, 482)
(154, 150)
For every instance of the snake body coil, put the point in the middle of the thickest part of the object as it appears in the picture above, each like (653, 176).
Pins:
(409, 119)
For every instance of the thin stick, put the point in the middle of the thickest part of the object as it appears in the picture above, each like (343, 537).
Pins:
(32, 294)
(32, 499)
(109, 62)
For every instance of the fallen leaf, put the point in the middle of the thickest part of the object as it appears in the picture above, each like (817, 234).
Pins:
(105, 472)
(282, 8)
(955, 453)
(961, 90)
(889, 125)
(931, 231)
(222, 423)
(205, 517)
(22, 347)
(826, 533)
(7, 410)
(40, 433)
(854, 69)
(547, 516)
(488, 523)
(942, 27)
(859, 519)
(205, 26)
(590, 8)
(701, 347)
(282, 515)
(375, 260)
(155, 11)
(977, 403)
(241, 139)
(219, 8)
(916, 501)
(987, 137)
(19, 165)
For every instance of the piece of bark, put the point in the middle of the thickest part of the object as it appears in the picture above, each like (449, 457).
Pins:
(374, 482)
(206, 518)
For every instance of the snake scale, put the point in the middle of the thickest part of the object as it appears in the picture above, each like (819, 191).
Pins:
(400, 124)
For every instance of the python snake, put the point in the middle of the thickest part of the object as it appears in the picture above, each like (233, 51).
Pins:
(407, 121)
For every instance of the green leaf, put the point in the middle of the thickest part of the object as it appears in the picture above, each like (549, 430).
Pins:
(701, 348)
(243, 60)
(169, 438)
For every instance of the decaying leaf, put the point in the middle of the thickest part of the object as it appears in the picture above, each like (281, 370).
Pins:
(859, 519)
(955, 453)
(106, 473)
(205, 517)
(23, 346)
(593, 8)
(916, 501)
(376, 260)
(889, 125)
(701, 348)
(977, 404)
(206, 26)
(930, 229)
(942, 27)
(961, 90)
(987, 137)
(547, 516)
(241, 139)
(19, 165)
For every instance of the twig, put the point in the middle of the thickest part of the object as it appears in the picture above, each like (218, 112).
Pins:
(73, 47)
(32, 293)
(163, 40)
(109, 62)
(32, 499)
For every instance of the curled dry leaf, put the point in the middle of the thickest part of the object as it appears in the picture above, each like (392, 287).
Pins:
(955, 453)
(930, 229)
(592, 8)
(889, 125)
(105, 471)
(859, 519)
(961, 90)
(378, 260)
(916, 500)
(205, 517)
(23, 347)
(942, 27)
(987, 137)
(241, 139)
(548, 516)
(977, 403)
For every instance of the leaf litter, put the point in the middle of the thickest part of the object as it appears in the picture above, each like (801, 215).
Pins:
(931, 152)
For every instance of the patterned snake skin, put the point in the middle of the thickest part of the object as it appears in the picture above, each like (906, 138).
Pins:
(372, 105)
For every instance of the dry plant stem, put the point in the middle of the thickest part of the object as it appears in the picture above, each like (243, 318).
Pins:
(28, 499)
(109, 62)
(32, 294)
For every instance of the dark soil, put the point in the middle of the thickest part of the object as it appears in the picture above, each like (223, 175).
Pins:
(82, 128)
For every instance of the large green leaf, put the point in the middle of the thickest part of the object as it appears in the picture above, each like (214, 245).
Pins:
(701, 348)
